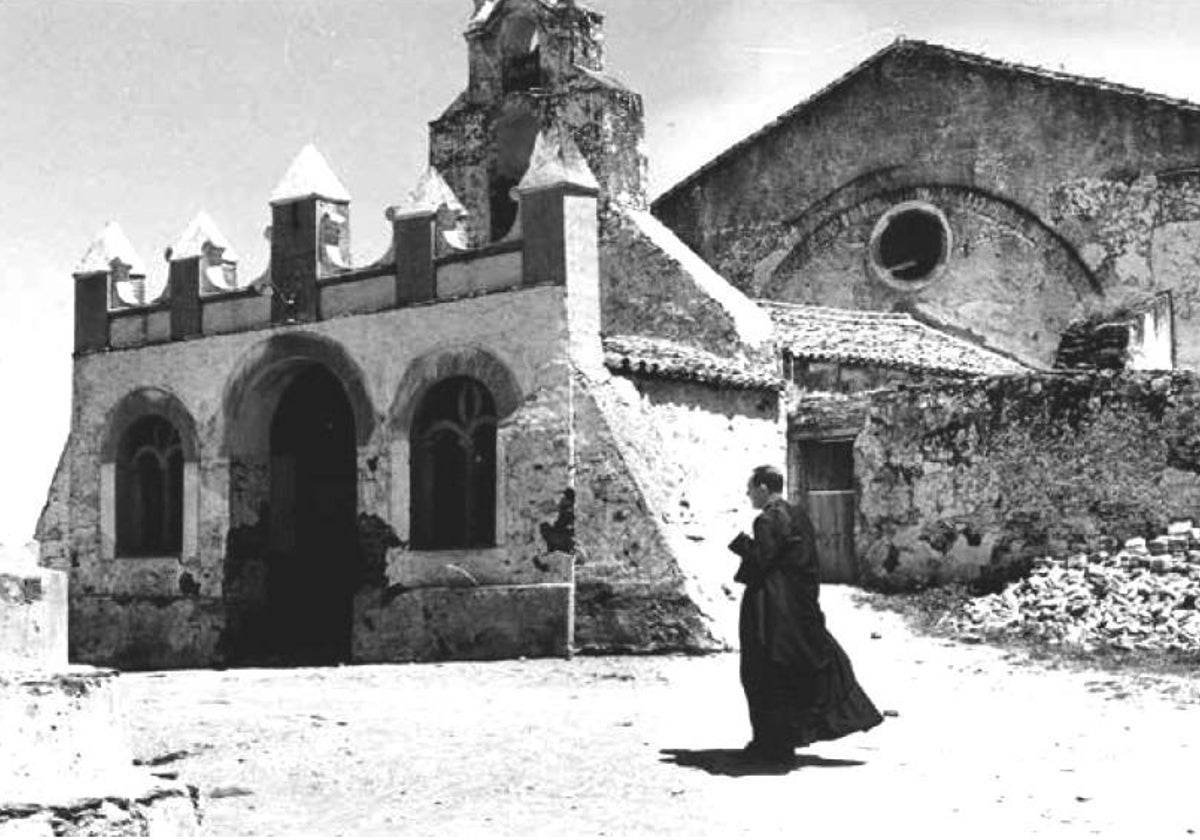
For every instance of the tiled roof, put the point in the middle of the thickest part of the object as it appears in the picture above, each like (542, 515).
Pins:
(887, 339)
(659, 358)
(913, 45)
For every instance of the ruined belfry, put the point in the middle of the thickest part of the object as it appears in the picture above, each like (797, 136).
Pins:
(533, 65)
(522, 431)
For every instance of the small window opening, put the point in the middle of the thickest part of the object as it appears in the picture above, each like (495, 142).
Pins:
(521, 66)
(503, 206)
(150, 489)
(910, 244)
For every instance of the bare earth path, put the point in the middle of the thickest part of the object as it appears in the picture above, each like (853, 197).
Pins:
(984, 745)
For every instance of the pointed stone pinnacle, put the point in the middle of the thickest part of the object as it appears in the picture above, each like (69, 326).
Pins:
(557, 161)
(110, 244)
(200, 230)
(309, 176)
(429, 196)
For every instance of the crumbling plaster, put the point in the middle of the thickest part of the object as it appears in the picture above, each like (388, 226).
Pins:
(605, 123)
(970, 481)
(928, 117)
(1065, 197)
(179, 600)
(679, 452)
(1007, 281)
(1139, 236)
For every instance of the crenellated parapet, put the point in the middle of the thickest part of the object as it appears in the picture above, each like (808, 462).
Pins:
(311, 275)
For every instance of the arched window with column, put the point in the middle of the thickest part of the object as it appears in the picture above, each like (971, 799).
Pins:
(454, 466)
(149, 478)
(149, 491)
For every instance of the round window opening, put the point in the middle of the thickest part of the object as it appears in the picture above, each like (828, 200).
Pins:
(910, 244)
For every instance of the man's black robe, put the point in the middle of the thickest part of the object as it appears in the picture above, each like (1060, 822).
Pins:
(799, 683)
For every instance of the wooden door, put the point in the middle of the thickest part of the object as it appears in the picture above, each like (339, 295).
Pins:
(824, 471)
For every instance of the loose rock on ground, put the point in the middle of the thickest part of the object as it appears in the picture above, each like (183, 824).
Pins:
(1143, 597)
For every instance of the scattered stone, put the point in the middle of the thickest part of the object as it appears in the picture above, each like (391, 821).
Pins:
(1182, 527)
(1144, 597)
(1136, 545)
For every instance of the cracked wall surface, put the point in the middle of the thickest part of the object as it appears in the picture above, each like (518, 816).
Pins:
(662, 476)
(1065, 199)
(612, 515)
(971, 481)
(188, 609)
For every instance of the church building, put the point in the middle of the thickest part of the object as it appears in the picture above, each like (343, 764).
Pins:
(522, 431)
(525, 429)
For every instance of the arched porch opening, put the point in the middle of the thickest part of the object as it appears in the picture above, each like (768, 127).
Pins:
(294, 418)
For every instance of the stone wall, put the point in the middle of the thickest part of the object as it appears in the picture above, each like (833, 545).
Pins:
(1138, 233)
(612, 519)
(663, 468)
(651, 284)
(1006, 280)
(821, 376)
(971, 481)
(173, 610)
(1063, 198)
(482, 142)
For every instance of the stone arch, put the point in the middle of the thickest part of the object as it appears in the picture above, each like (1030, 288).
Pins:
(149, 402)
(518, 35)
(295, 410)
(453, 467)
(518, 42)
(436, 366)
(823, 222)
(114, 487)
(254, 388)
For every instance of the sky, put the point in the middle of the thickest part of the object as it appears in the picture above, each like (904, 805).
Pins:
(149, 111)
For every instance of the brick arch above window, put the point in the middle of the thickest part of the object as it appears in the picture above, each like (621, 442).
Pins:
(440, 365)
(142, 403)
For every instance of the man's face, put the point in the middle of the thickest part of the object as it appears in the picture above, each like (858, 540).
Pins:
(757, 494)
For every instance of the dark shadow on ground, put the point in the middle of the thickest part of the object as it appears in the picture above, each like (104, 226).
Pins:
(737, 763)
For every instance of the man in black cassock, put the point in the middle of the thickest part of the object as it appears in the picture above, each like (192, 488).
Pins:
(799, 683)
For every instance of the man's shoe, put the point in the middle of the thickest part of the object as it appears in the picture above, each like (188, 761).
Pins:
(760, 753)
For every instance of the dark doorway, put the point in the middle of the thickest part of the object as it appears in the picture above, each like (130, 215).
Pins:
(312, 558)
(824, 472)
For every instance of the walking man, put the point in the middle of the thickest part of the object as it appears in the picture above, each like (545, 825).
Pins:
(799, 683)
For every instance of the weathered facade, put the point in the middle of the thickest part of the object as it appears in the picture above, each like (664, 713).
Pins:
(973, 480)
(999, 201)
(434, 455)
(525, 430)
(931, 221)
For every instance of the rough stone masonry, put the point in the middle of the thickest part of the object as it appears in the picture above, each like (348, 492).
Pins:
(65, 765)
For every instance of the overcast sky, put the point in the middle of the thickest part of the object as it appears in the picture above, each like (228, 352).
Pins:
(147, 112)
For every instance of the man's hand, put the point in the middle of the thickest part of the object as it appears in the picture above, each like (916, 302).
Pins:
(741, 544)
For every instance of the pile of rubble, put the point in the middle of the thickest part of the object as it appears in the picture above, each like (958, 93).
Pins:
(1143, 597)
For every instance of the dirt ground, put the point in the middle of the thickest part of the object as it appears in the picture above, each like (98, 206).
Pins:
(984, 743)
